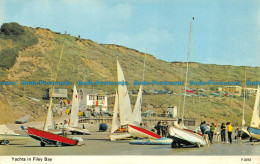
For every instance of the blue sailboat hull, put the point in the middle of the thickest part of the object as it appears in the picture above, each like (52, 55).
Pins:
(255, 132)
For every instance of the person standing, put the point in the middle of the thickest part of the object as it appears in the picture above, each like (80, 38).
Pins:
(223, 132)
(239, 134)
(164, 129)
(212, 131)
(65, 128)
(230, 129)
(158, 128)
(205, 130)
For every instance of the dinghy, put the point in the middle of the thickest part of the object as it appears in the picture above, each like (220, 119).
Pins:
(254, 129)
(183, 137)
(22, 120)
(7, 135)
(48, 138)
(134, 128)
(122, 104)
(142, 133)
(44, 136)
(140, 142)
(160, 141)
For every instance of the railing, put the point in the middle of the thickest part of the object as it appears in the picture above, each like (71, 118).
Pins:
(149, 120)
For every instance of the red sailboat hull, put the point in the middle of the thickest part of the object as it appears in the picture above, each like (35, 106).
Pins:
(142, 133)
(49, 138)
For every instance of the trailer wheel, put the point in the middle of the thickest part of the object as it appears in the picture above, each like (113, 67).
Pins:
(58, 144)
(174, 144)
(198, 145)
(42, 144)
(6, 142)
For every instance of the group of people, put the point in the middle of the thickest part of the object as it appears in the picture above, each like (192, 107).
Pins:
(209, 131)
(162, 129)
(64, 102)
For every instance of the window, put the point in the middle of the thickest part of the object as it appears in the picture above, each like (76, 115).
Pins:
(91, 97)
(101, 97)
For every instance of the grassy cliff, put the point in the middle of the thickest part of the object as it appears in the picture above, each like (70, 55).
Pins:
(31, 54)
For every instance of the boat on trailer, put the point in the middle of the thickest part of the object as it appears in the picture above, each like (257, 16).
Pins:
(48, 138)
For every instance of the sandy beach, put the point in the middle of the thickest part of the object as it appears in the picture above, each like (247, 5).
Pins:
(98, 143)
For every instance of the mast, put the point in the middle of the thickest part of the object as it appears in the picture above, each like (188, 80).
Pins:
(52, 87)
(244, 102)
(185, 85)
(136, 117)
(118, 90)
(144, 62)
(180, 86)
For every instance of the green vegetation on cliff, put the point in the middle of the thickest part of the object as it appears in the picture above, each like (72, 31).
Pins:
(32, 55)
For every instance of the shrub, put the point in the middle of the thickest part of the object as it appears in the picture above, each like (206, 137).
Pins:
(8, 57)
(22, 38)
(12, 29)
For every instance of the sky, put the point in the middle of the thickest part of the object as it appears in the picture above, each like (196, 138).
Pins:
(225, 32)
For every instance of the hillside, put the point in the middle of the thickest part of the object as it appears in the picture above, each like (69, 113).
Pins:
(33, 54)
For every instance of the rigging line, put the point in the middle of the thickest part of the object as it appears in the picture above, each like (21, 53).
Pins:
(144, 63)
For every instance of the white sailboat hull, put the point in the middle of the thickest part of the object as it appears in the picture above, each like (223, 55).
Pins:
(12, 137)
(119, 136)
(186, 137)
(79, 131)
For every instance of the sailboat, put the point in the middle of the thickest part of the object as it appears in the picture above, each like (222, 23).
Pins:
(7, 135)
(254, 128)
(134, 128)
(46, 137)
(180, 133)
(74, 118)
(122, 106)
